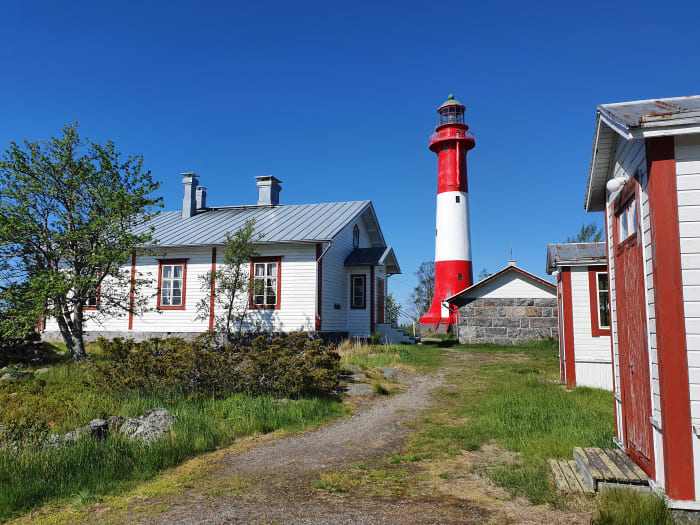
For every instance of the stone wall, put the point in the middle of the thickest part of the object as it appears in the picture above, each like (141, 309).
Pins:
(507, 321)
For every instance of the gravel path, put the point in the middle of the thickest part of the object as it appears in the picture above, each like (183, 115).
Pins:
(370, 433)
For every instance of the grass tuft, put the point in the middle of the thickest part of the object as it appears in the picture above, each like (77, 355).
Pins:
(627, 507)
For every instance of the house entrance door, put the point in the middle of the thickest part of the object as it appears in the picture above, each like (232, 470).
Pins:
(632, 329)
(380, 300)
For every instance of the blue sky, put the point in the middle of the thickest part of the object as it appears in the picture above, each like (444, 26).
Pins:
(338, 99)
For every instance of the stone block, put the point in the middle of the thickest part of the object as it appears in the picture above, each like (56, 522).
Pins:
(486, 311)
(515, 311)
(555, 312)
(532, 311)
(466, 311)
(509, 322)
(505, 341)
(555, 332)
(523, 302)
(478, 321)
(550, 302)
(525, 322)
(546, 312)
(543, 322)
(491, 332)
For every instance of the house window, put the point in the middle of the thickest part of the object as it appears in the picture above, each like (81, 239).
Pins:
(265, 293)
(358, 292)
(93, 299)
(172, 276)
(627, 221)
(356, 237)
(599, 292)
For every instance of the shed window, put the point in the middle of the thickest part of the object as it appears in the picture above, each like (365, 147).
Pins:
(171, 284)
(599, 291)
(628, 221)
(358, 290)
(266, 282)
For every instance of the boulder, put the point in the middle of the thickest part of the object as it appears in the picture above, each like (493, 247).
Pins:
(42, 371)
(388, 372)
(359, 389)
(15, 375)
(152, 425)
(353, 368)
(358, 377)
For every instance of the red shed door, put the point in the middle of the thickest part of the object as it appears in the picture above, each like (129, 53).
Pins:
(632, 329)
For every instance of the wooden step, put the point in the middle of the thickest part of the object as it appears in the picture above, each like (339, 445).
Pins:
(608, 466)
(567, 476)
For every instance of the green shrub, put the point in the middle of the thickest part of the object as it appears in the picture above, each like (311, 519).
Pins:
(374, 338)
(293, 366)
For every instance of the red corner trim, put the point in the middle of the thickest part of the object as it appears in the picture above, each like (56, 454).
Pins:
(131, 292)
(254, 260)
(183, 262)
(596, 330)
(212, 298)
(319, 285)
(670, 319)
(371, 299)
(568, 328)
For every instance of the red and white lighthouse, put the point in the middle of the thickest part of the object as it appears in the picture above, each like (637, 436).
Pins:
(453, 257)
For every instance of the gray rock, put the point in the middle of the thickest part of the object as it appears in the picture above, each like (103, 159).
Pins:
(358, 377)
(360, 389)
(6, 369)
(152, 425)
(388, 372)
(42, 371)
(15, 375)
(352, 368)
(19, 366)
(98, 428)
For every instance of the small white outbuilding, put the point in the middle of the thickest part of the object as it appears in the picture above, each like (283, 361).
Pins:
(585, 354)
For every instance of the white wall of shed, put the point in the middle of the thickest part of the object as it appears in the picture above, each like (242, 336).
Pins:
(592, 354)
(512, 284)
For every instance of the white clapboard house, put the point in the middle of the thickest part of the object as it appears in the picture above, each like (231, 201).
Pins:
(645, 177)
(585, 355)
(321, 268)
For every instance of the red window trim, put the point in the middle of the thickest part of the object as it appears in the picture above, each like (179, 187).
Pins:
(278, 260)
(183, 262)
(364, 291)
(593, 271)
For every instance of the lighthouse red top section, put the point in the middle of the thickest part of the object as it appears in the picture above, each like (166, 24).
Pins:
(451, 141)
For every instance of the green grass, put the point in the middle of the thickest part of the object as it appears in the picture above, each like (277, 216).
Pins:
(64, 399)
(625, 507)
(415, 356)
(496, 397)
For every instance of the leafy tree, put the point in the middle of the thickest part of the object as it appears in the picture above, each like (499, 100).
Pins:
(422, 295)
(392, 308)
(588, 233)
(231, 281)
(68, 211)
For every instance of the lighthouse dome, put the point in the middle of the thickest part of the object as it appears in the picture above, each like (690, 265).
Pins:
(451, 111)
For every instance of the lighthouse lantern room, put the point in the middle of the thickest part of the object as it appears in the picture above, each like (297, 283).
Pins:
(453, 260)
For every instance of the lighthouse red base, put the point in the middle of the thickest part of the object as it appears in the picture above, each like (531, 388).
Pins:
(451, 277)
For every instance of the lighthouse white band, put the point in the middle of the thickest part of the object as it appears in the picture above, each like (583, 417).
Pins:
(452, 241)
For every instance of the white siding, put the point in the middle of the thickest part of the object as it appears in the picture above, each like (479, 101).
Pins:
(358, 318)
(592, 354)
(513, 284)
(297, 293)
(687, 152)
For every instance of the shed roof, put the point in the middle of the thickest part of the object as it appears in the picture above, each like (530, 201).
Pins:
(575, 254)
(374, 256)
(276, 224)
(638, 119)
(490, 278)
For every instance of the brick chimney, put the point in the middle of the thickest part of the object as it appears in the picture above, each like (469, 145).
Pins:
(268, 190)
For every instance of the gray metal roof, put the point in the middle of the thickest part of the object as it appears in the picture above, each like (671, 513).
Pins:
(654, 113)
(277, 224)
(572, 254)
(637, 119)
(373, 256)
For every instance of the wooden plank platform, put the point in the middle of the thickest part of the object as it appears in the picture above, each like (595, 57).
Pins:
(567, 476)
(609, 466)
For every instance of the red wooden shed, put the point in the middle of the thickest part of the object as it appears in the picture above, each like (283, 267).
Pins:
(645, 177)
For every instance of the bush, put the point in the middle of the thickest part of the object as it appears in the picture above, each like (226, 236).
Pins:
(293, 366)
